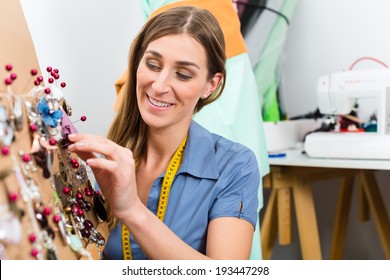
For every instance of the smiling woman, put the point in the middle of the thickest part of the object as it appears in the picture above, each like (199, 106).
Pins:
(175, 190)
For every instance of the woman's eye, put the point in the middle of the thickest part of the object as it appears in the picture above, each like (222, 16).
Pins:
(152, 66)
(183, 76)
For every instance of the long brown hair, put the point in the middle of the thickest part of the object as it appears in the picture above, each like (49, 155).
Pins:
(128, 129)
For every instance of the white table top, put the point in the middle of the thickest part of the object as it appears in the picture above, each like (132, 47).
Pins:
(295, 157)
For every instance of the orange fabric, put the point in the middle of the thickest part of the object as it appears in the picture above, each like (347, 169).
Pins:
(228, 19)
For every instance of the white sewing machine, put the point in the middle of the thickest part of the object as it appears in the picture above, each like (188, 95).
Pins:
(336, 94)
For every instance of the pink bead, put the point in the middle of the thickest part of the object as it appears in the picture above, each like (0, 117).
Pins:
(13, 76)
(34, 252)
(47, 90)
(8, 67)
(63, 84)
(34, 72)
(52, 142)
(26, 158)
(50, 80)
(8, 81)
(39, 78)
(13, 196)
(56, 219)
(66, 190)
(83, 118)
(33, 127)
(32, 237)
(5, 150)
(47, 211)
(48, 69)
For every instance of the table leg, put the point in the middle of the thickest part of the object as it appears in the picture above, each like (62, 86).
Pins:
(377, 208)
(341, 220)
(269, 226)
(284, 216)
(306, 220)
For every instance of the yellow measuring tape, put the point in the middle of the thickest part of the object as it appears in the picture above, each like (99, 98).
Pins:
(163, 200)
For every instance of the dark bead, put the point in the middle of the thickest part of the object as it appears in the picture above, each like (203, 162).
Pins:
(88, 224)
(85, 232)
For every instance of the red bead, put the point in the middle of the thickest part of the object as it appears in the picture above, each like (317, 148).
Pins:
(13, 76)
(66, 190)
(50, 80)
(63, 84)
(79, 195)
(56, 70)
(73, 160)
(39, 78)
(8, 81)
(47, 90)
(83, 118)
(34, 252)
(34, 72)
(5, 150)
(88, 191)
(8, 67)
(80, 212)
(47, 211)
(32, 237)
(96, 193)
(33, 127)
(48, 69)
(56, 219)
(56, 76)
(75, 165)
(26, 158)
(13, 196)
(36, 83)
(52, 142)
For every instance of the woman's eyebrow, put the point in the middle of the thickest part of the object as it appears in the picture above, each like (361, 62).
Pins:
(181, 63)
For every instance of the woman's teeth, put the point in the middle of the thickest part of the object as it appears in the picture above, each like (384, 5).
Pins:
(158, 103)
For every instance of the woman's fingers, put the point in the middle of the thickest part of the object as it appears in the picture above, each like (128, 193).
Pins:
(88, 145)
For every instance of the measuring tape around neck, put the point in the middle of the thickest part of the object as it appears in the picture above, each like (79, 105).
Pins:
(163, 200)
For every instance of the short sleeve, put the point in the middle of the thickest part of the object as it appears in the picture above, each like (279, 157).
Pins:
(238, 188)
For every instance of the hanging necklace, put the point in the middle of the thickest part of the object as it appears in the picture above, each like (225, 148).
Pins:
(163, 200)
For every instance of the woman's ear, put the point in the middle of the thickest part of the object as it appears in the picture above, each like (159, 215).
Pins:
(213, 84)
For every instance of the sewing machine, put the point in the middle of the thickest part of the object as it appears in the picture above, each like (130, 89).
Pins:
(336, 95)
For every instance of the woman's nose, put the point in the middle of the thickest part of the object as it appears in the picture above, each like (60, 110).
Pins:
(161, 83)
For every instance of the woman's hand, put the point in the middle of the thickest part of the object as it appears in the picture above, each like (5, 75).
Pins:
(114, 172)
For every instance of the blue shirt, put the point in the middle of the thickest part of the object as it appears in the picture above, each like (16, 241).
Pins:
(217, 178)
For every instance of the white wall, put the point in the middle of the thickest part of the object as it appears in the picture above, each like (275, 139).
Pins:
(88, 41)
(327, 36)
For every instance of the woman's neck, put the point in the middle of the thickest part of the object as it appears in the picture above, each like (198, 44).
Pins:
(162, 146)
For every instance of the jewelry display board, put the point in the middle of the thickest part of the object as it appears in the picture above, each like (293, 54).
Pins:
(48, 206)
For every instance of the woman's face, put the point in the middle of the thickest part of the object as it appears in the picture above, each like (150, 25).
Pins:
(171, 77)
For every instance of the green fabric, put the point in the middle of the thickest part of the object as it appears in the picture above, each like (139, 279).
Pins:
(266, 70)
(271, 113)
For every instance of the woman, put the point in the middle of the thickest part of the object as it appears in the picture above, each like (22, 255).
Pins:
(156, 151)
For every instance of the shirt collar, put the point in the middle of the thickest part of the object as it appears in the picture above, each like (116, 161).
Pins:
(199, 155)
